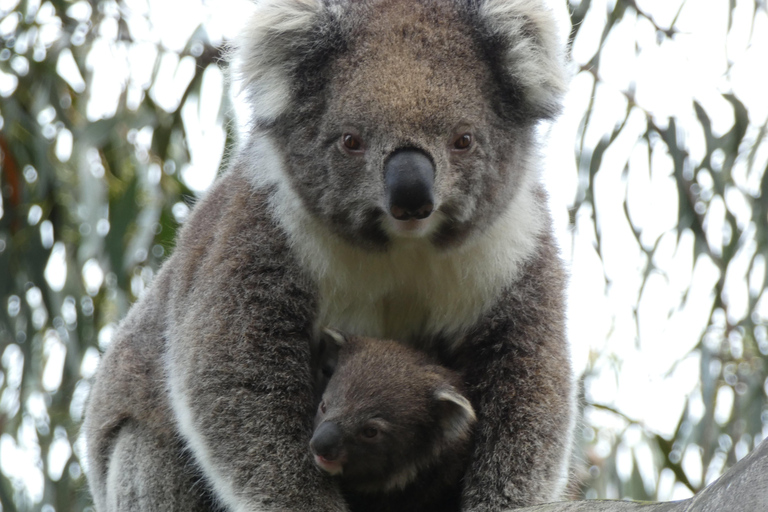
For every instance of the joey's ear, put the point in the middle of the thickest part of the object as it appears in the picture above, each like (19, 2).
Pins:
(333, 337)
(456, 413)
(329, 345)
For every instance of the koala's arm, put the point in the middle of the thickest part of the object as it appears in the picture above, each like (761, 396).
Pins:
(238, 362)
(519, 379)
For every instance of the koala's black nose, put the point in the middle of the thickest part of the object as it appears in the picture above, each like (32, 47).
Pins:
(327, 441)
(409, 177)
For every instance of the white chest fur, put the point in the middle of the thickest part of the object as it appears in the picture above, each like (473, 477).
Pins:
(412, 292)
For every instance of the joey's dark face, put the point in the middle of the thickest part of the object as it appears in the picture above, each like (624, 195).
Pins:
(375, 420)
(410, 141)
(365, 446)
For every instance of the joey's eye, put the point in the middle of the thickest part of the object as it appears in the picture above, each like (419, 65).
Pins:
(462, 142)
(322, 407)
(370, 432)
(351, 142)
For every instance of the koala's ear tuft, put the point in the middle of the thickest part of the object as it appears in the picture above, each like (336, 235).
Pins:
(528, 55)
(457, 416)
(281, 38)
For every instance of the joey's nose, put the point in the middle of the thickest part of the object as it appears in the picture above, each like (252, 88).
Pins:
(326, 441)
(409, 177)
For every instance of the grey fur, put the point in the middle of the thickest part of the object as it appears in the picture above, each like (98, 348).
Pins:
(416, 460)
(208, 382)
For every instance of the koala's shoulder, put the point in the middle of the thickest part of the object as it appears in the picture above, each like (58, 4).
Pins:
(230, 210)
(232, 228)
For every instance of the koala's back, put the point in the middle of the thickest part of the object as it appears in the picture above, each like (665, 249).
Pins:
(132, 433)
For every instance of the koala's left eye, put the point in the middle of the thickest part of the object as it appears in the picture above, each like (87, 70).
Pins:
(462, 142)
(351, 143)
(370, 432)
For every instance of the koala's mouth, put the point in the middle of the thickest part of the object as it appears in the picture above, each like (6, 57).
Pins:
(332, 467)
(413, 228)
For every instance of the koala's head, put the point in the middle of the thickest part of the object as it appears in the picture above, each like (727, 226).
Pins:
(403, 118)
(387, 412)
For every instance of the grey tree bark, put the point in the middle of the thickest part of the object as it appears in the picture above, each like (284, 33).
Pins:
(743, 488)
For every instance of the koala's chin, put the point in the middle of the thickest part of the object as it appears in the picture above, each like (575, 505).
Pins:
(413, 228)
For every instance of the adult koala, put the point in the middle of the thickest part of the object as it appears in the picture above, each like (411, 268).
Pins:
(388, 187)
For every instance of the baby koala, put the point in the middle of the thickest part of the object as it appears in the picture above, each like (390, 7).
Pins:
(392, 425)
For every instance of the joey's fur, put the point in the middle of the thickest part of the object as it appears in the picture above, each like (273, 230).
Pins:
(400, 434)
(205, 399)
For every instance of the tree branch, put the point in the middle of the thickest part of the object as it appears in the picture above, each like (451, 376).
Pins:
(744, 488)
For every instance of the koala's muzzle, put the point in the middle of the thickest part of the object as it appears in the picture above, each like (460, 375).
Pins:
(327, 441)
(409, 177)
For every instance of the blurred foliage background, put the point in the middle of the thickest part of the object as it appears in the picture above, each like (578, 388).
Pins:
(114, 116)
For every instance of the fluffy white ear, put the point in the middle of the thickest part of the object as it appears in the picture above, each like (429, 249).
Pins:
(330, 343)
(457, 415)
(333, 336)
(532, 54)
(268, 50)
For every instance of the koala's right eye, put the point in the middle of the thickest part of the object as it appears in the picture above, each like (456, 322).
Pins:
(352, 143)
(322, 407)
(462, 142)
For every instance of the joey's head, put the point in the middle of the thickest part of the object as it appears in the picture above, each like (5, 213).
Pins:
(403, 118)
(387, 413)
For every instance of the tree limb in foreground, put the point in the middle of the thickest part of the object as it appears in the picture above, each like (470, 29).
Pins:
(743, 488)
